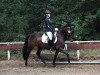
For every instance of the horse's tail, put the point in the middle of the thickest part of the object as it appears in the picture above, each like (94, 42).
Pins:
(24, 50)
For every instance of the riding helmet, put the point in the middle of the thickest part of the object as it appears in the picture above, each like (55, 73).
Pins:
(47, 12)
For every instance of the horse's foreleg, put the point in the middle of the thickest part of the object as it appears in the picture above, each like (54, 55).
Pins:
(65, 52)
(55, 56)
(39, 56)
(68, 58)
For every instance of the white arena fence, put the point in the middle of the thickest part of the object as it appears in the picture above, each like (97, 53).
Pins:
(75, 45)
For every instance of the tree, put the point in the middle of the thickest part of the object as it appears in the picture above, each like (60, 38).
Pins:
(18, 18)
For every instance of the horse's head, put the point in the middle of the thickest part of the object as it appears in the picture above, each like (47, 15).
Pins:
(68, 33)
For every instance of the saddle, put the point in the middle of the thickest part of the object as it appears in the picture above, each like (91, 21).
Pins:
(45, 37)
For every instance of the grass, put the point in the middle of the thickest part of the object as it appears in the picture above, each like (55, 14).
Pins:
(3, 55)
(95, 52)
(48, 55)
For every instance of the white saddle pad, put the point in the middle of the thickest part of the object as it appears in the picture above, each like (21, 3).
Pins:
(45, 38)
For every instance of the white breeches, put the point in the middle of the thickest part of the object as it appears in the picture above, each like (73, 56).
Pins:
(49, 35)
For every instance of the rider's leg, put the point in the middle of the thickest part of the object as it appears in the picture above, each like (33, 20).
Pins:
(49, 35)
(50, 42)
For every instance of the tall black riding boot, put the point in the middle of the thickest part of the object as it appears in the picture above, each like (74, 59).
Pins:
(50, 43)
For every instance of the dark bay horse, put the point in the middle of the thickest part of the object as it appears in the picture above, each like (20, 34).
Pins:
(34, 40)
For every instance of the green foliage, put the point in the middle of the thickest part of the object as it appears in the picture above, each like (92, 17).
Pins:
(18, 18)
(3, 55)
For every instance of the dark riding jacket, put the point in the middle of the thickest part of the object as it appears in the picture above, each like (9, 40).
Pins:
(48, 23)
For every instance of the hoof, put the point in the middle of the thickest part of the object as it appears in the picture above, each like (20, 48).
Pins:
(44, 65)
(69, 62)
(54, 65)
(25, 64)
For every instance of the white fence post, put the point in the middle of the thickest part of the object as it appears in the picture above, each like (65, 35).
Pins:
(65, 47)
(78, 52)
(8, 52)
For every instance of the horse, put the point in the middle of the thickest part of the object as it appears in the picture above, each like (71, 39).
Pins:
(34, 40)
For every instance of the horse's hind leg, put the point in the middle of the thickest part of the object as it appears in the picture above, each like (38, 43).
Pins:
(55, 56)
(28, 53)
(39, 56)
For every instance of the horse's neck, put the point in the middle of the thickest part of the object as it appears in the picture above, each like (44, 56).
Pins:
(64, 37)
(62, 34)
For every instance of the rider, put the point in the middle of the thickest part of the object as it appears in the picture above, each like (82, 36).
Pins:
(49, 27)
